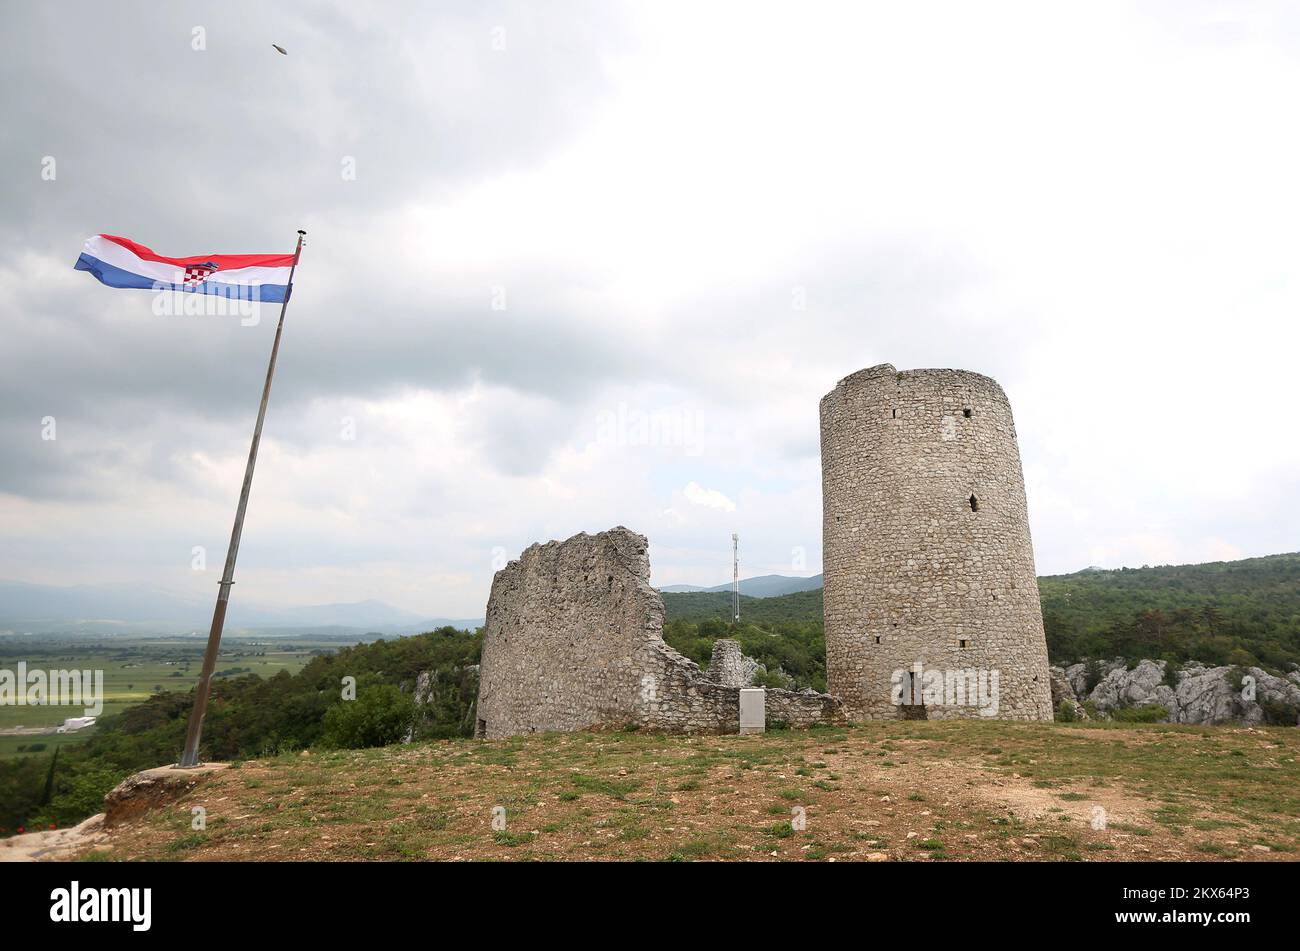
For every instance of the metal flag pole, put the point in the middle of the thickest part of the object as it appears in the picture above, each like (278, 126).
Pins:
(190, 757)
(735, 577)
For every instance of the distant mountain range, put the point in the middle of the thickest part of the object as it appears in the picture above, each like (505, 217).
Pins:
(133, 609)
(764, 586)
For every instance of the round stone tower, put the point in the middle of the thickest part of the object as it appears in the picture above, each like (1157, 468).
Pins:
(932, 606)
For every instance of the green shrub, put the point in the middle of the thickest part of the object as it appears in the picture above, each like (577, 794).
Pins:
(1236, 677)
(1092, 674)
(1146, 713)
(1279, 712)
(76, 796)
(381, 714)
(1067, 711)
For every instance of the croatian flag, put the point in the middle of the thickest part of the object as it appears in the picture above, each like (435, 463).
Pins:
(120, 262)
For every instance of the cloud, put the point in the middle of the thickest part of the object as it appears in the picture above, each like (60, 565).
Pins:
(709, 498)
(597, 253)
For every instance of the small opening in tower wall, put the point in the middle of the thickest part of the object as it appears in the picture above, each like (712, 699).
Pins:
(962, 642)
(895, 414)
(974, 504)
(966, 412)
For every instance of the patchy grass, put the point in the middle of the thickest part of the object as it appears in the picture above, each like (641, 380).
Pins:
(949, 790)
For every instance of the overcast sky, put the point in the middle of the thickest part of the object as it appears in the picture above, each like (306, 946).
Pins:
(571, 220)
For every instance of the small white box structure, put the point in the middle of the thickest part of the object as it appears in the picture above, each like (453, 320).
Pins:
(73, 724)
(753, 710)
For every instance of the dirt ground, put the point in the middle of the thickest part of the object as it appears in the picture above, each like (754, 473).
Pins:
(898, 791)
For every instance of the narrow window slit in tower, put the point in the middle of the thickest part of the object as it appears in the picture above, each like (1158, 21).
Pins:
(966, 412)
(877, 638)
(962, 642)
(895, 414)
(974, 504)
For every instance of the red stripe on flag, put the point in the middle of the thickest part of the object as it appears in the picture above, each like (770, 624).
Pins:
(225, 261)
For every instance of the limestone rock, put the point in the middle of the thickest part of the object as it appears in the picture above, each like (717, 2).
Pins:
(1077, 674)
(54, 845)
(1062, 689)
(1204, 695)
(1141, 686)
(1209, 695)
(152, 788)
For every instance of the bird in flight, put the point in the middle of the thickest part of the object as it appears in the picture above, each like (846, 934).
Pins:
(280, 49)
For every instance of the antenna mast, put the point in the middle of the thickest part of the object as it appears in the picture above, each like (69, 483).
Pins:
(735, 577)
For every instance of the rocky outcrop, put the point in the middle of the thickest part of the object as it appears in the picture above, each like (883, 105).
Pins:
(1064, 700)
(152, 788)
(1077, 674)
(437, 690)
(1061, 687)
(1199, 694)
(1205, 695)
(1213, 695)
(55, 845)
(1141, 686)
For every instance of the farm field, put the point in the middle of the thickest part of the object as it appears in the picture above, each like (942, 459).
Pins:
(134, 670)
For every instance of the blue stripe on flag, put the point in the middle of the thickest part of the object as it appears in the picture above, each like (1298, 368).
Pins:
(117, 277)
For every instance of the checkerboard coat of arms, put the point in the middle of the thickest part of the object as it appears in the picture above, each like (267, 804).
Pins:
(196, 274)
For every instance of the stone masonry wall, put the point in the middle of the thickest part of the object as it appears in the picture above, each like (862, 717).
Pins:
(729, 666)
(574, 640)
(926, 546)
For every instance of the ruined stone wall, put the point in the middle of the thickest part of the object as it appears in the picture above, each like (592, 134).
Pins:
(574, 640)
(926, 544)
(800, 709)
(729, 666)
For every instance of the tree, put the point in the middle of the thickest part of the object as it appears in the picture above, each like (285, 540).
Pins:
(48, 794)
(381, 714)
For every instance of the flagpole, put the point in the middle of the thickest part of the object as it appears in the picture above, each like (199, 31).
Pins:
(190, 756)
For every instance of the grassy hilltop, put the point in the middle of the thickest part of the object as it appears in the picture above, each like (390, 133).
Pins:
(1245, 612)
(895, 791)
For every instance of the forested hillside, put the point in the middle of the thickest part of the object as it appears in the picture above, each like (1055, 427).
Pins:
(697, 605)
(1236, 612)
(1228, 612)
